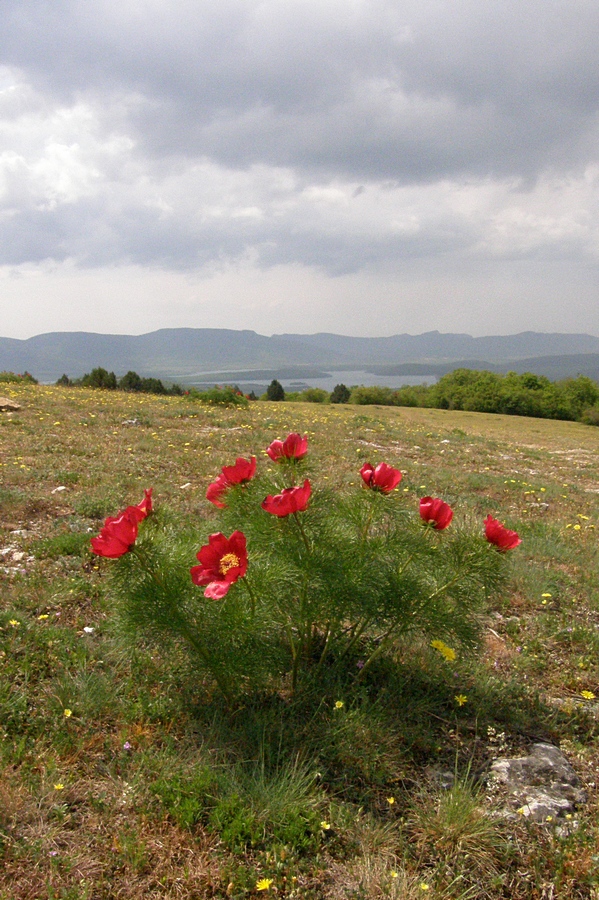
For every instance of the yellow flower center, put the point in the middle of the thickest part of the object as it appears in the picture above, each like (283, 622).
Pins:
(228, 561)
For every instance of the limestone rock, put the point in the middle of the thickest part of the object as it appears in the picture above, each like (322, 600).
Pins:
(7, 405)
(543, 785)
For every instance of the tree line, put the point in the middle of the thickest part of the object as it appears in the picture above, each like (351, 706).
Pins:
(573, 399)
(101, 378)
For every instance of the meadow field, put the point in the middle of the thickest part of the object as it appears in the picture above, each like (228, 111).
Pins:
(125, 775)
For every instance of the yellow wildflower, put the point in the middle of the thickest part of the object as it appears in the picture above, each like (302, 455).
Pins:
(59, 786)
(338, 704)
(444, 650)
(67, 713)
(588, 695)
(263, 884)
(460, 699)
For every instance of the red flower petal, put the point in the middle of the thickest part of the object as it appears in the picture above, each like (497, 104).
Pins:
(118, 534)
(384, 478)
(243, 470)
(499, 535)
(290, 500)
(293, 447)
(216, 490)
(436, 512)
(145, 507)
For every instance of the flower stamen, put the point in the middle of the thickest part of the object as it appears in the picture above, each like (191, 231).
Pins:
(227, 562)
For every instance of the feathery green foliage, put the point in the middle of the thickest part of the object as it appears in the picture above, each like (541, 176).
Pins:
(343, 579)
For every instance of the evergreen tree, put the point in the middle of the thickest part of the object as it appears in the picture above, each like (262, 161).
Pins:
(99, 378)
(275, 391)
(340, 394)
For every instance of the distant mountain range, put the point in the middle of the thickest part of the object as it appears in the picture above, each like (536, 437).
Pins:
(199, 354)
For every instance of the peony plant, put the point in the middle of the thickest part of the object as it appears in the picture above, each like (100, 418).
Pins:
(299, 579)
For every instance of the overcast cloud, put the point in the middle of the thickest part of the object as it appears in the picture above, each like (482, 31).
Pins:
(359, 166)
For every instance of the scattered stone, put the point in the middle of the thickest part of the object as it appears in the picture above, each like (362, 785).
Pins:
(443, 778)
(130, 422)
(542, 786)
(57, 490)
(184, 487)
(7, 405)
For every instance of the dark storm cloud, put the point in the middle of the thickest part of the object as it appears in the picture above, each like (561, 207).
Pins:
(342, 135)
(368, 89)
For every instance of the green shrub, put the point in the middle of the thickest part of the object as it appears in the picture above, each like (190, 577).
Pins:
(590, 416)
(314, 395)
(344, 573)
(220, 396)
(364, 396)
(12, 378)
(512, 394)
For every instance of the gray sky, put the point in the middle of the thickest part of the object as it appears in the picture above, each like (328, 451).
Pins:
(366, 167)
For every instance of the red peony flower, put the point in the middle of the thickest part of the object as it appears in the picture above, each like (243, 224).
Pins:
(436, 512)
(222, 561)
(120, 532)
(216, 490)
(290, 500)
(498, 534)
(243, 470)
(384, 478)
(293, 447)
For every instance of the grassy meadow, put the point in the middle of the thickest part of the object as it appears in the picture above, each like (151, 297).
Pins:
(126, 776)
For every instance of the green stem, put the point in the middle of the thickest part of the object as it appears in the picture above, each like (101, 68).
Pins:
(294, 670)
(187, 635)
(368, 524)
(302, 532)
(326, 647)
(385, 641)
(182, 626)
(358, 631)
(248, 588)
(147, 563)
(445, 586)
(427, 530)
